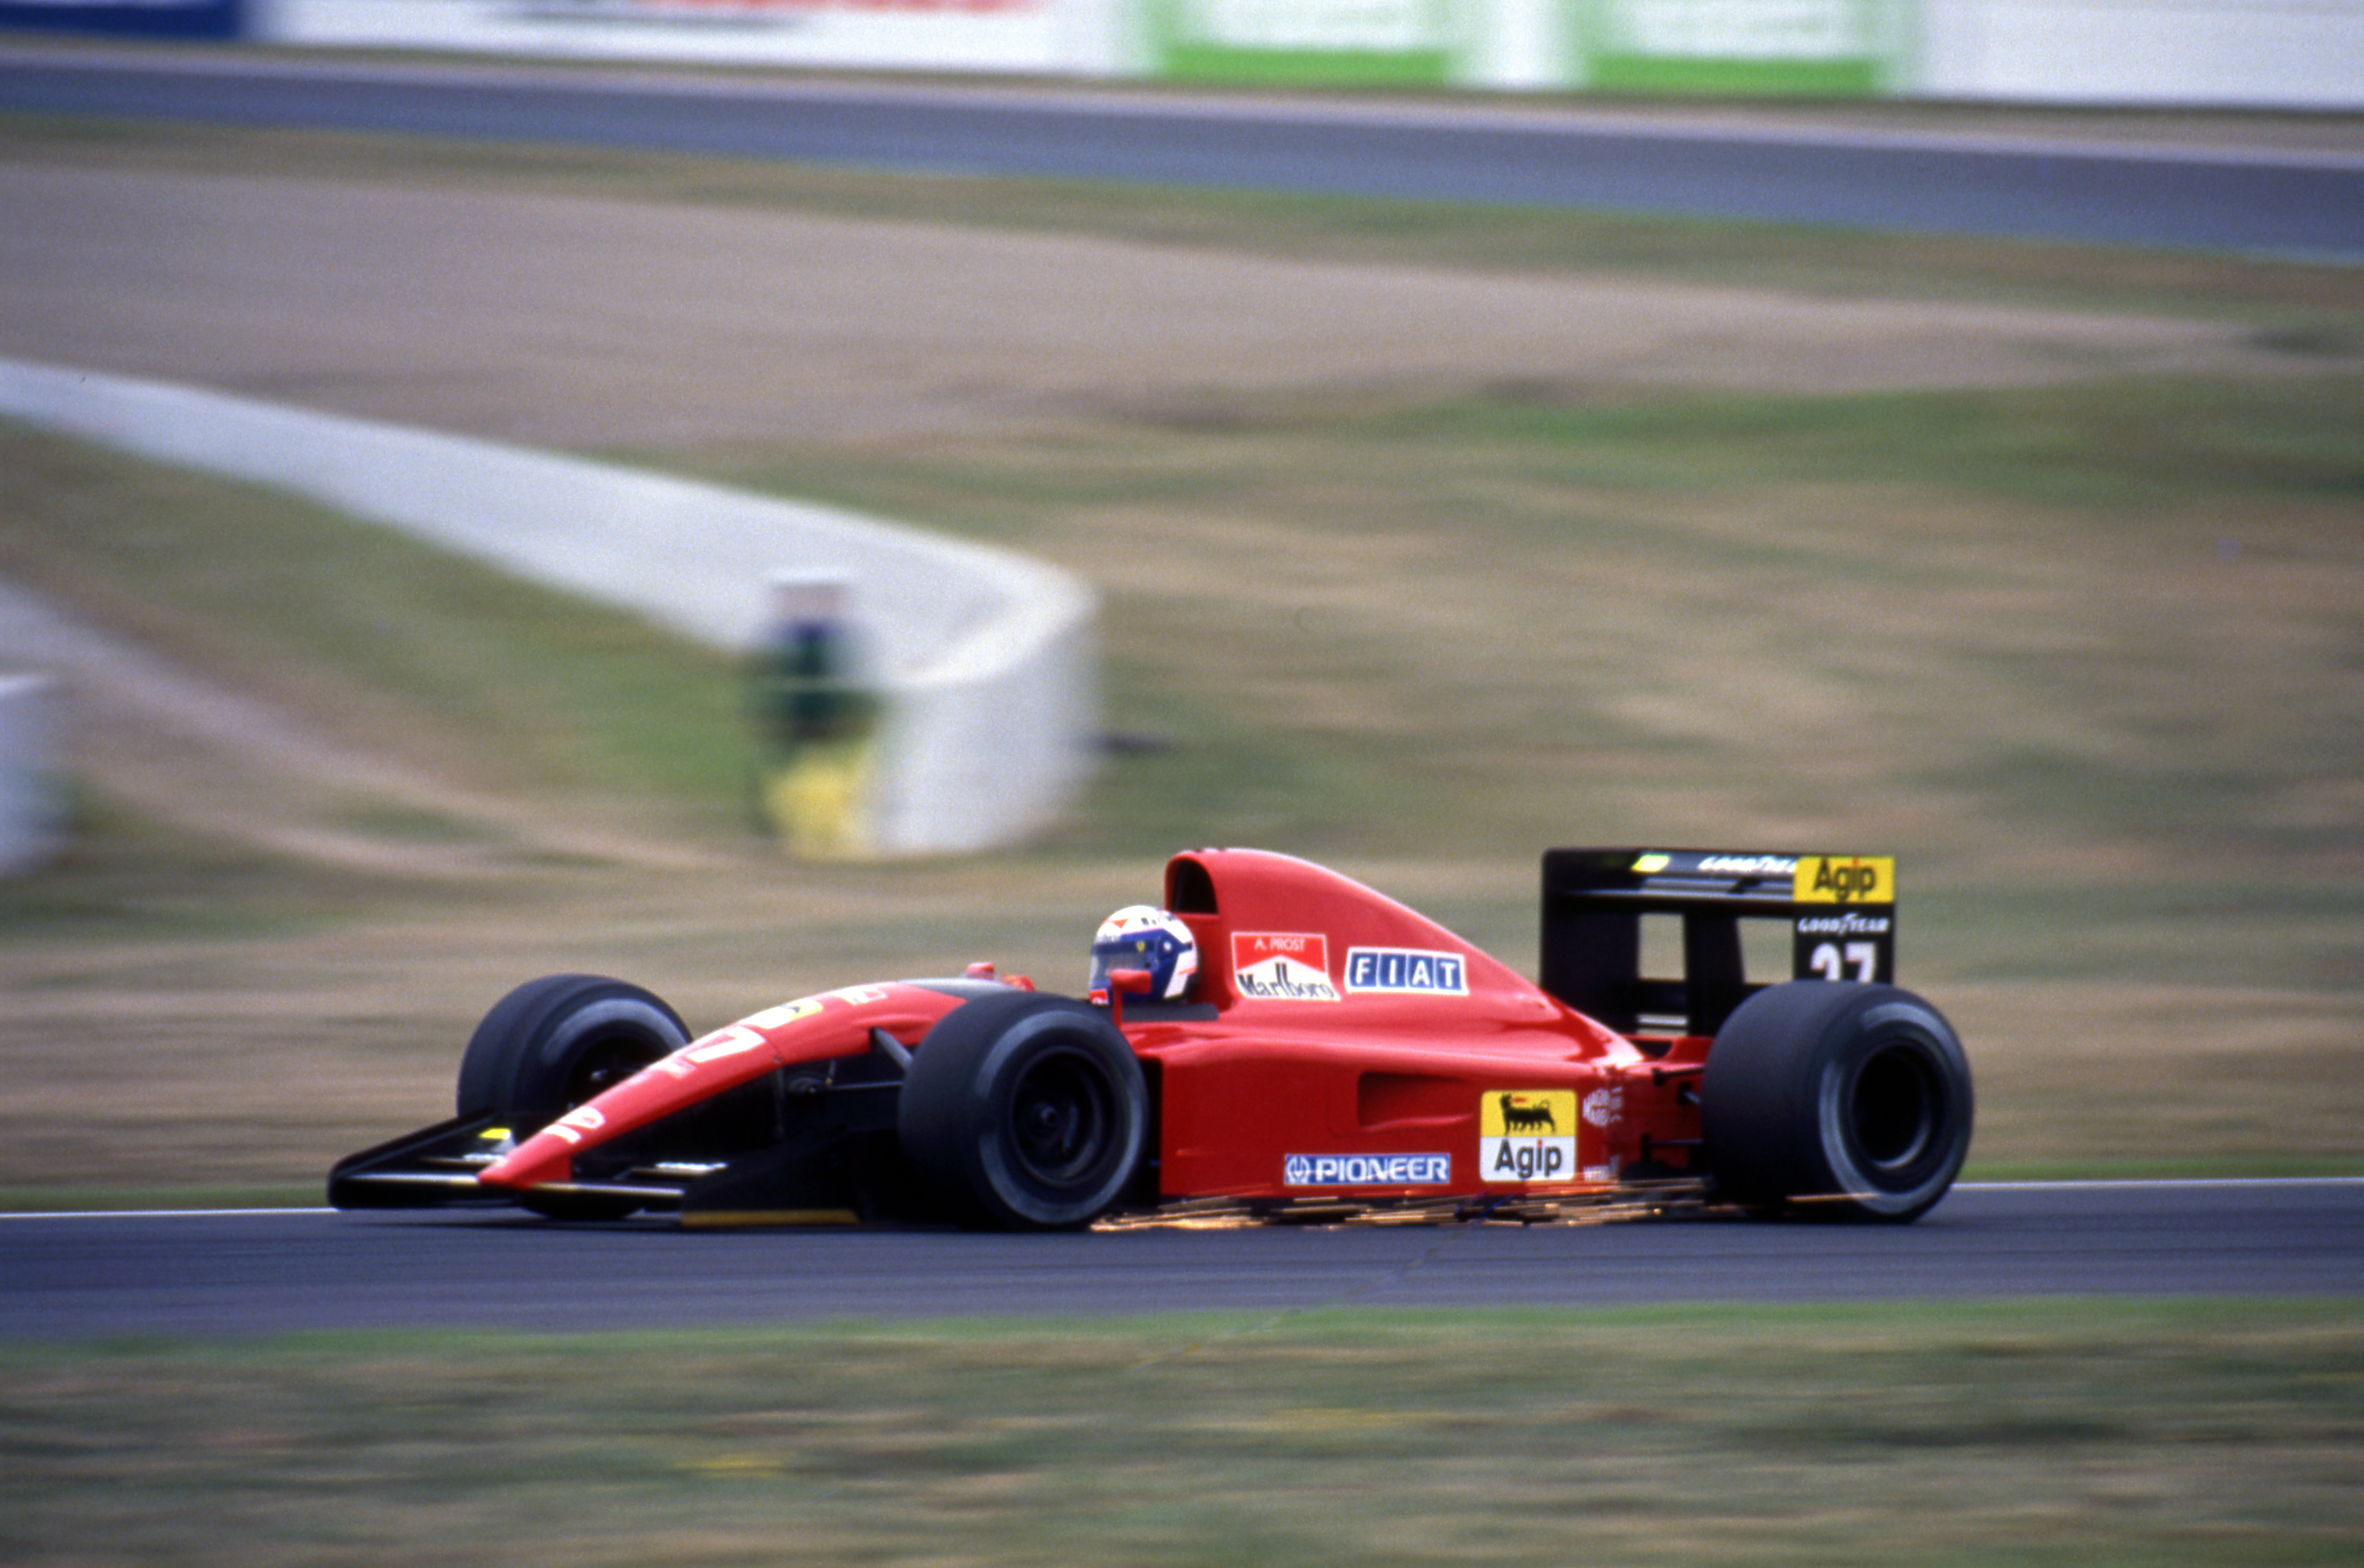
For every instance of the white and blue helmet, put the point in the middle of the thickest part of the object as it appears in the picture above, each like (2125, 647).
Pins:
(1140, 936)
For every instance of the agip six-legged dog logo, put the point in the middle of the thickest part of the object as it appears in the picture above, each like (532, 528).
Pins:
(1518, 1117)
(1527, 1135)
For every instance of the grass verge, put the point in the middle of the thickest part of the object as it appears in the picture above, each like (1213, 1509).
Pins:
(2072, 1431)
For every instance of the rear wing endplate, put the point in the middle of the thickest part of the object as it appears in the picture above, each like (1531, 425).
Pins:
(1841, 910)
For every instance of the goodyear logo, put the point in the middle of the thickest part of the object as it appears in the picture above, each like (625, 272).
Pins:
(1747, 865)
(1527, 1135)
(1406, 971)
(1653, 861)
(1367, 1170)
(1845, 879)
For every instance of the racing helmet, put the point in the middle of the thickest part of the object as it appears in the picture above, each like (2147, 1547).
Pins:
(1142, 936)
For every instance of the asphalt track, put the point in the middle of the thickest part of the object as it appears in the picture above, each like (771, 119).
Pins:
(2308, 203)
(82, 1276)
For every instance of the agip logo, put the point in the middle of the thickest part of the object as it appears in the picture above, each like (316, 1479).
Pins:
(1527, 1135)
(1845, 879)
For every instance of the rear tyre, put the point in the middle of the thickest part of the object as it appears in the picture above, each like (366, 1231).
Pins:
(553, 1043)
(1836, 1099)
(1025, 1112)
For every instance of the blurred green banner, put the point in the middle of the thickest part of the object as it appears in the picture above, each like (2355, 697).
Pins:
(1827, 48)
(1412, 43)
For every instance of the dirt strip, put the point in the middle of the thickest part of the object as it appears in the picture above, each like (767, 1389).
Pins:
(581, 322)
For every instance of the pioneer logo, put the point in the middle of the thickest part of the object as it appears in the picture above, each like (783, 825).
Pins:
(1366, 1169)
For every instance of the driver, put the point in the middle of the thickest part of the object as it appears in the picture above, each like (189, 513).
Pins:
(1140, 936)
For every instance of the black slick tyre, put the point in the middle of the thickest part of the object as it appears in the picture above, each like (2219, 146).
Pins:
(555, 1042)
(1025, 1112)
(1835, 1099)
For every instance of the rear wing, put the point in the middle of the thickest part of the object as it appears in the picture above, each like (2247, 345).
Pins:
(1841, 910)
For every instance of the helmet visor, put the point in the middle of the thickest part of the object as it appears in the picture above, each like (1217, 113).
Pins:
(1144, 951)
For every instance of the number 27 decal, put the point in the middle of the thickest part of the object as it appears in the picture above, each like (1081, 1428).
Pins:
(1830, 962)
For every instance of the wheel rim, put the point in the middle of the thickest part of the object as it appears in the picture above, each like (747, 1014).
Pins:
(1895, 1110)
(604, 1063)
(1062, 1117)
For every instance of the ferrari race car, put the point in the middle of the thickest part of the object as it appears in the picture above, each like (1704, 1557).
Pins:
(1275, 1042)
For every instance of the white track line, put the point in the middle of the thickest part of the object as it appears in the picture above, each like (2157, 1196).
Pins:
(2159, 1182)
(2072, 1185)
(150, 1213)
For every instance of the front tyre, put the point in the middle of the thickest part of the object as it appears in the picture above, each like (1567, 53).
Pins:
(1853, 1098)
(1025, 1112)
(555, 1042)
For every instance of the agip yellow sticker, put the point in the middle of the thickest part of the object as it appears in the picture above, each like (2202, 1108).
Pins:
(1527, 1135)
(1845, 879)
(785, 1014)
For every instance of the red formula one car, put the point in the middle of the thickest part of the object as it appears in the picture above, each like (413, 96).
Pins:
(1275, 1042)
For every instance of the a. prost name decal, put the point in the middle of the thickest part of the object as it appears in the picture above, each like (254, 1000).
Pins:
(1527, 1135)
(1367, 1170)
(1278, 966)
(1406, 971)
